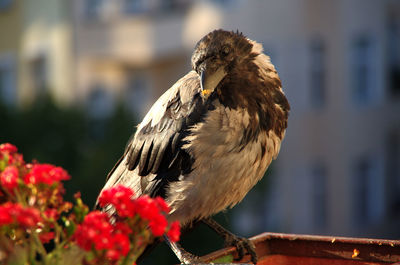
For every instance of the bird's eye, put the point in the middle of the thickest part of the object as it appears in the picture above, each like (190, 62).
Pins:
(226, 50)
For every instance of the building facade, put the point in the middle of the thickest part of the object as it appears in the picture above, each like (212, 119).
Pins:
(11, 28)
(37, 39)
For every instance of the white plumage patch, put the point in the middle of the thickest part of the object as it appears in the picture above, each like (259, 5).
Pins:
(223, 172)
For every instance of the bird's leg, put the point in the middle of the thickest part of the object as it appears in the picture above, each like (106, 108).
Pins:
(183, 256)
(240, 243)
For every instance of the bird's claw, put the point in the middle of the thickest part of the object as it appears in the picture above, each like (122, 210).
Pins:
(243, 246)
(189, 258)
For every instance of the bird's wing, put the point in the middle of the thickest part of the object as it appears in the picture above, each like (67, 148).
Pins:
(154, 156)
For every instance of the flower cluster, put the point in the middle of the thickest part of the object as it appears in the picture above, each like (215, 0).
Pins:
(45, 173)
(127, 231)
(97, 232)
(16, 214)
(32, 197)
(152, 210)
(34, 213)
(9, 177)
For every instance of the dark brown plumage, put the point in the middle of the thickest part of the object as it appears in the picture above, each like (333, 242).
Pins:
(209, 138)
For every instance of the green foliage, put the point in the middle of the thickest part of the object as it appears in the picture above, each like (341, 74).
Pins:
(70, 138)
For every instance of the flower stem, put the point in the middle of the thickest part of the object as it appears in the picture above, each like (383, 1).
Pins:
(42, 251)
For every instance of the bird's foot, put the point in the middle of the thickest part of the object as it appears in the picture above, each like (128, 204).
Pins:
(189, 258)
(243, 246)
(184, 256)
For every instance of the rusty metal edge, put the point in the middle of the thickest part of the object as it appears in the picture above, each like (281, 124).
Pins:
(317, 238)
(331, 247)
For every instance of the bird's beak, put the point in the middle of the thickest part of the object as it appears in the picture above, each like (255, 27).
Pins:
(210, 78)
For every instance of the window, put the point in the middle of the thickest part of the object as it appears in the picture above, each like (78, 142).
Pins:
(100, 103)
(168, 5)
(100, 9)
(363, 74)
(319, 195)
(7, 81)
(100, 106)
(393, 55)
(138, 93)
(5, 3)
(317, 73)
(367, 191)
(145, 6)
(224, 2)
(92, 7)
(136, 6)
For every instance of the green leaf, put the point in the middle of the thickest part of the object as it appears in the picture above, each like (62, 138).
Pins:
(80, 210)
(70, 226)
(3, 164)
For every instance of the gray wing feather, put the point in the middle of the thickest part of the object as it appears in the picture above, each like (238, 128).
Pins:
(154, 157)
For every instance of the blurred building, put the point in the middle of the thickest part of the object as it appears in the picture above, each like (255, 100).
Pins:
(133, 50)
(36, 52)
(339, 61)
(11, 30)
(339, 167)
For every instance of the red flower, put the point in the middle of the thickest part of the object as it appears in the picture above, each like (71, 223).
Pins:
(121, 243)
(8, 148)
(174, 232)
(162, 204)
(147, 208)
(14, 209)
(114, 195)
(8, 151)
(94, 231)
(5, 215)
(120, 247)
(45, 173)
(51, 214)
(15, 159)
(46, 237)
(13, 212)
(9, 177)
(121, 198)
(105, 238)
(29, 217)
(113, 254)
(103, 241)
(158, 224)
(123, 228)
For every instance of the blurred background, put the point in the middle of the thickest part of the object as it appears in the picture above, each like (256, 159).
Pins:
(76, 76)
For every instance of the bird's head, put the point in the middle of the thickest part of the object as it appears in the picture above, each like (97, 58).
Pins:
(217, 54)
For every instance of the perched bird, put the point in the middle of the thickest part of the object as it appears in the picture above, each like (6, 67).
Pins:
(210, 137)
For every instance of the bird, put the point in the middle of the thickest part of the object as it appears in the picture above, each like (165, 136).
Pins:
(210, 137)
